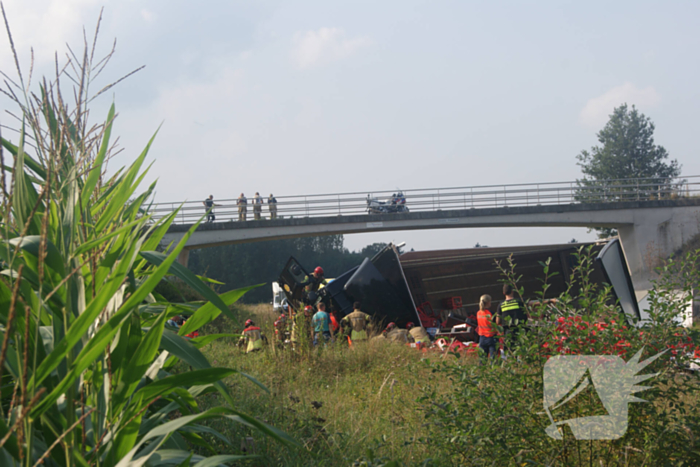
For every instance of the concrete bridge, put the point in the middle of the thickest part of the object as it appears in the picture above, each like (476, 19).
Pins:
(654, 218)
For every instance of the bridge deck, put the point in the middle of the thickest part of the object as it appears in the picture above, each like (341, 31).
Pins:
(446, 199)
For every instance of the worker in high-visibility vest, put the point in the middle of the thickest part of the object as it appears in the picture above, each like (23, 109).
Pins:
(486, 328)
(512, 315)
(356, 323)
(418, 334)
(253, 336)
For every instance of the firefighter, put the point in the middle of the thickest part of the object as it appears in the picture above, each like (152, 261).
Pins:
(511, 314)
(251, 336)
(396, 334)
(257, 206)
(356, 323)
(486, 328)
(301, 327)
(316, 279)
(418, 334)
(272, 206)
(281, 328)
(242, 207)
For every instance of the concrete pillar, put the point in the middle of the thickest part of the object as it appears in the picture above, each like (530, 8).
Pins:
(655, 235)
(183, 257)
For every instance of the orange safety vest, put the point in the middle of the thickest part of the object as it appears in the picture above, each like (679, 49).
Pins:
(485, 325)
(334, 323)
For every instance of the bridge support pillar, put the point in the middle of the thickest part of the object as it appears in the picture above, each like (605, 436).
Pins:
(183, 257)
(653, 236)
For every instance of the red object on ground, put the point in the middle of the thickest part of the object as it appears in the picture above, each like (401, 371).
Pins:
(427, 316)
(452, 303)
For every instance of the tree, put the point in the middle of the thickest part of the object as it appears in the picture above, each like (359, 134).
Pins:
(626, 150)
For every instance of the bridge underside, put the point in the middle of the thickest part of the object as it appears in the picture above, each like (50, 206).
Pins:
(649, 230)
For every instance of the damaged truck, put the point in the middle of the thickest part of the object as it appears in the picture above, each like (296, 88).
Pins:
(441, 289)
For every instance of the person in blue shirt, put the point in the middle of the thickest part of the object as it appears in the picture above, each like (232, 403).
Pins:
(322, 324)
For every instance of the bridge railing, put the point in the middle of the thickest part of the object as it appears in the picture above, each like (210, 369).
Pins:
(444, 199)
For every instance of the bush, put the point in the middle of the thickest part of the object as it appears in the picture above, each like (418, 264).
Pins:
(494, 414)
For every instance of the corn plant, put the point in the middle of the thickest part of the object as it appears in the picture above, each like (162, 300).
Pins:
(86, 356)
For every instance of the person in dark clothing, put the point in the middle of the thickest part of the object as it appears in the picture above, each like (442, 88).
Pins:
(209, 207)
(272, 205)
(512, 315)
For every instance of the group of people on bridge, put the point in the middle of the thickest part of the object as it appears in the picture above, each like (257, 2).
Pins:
(242, 203)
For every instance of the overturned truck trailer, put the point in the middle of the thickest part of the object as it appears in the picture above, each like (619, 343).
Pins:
(428, 286)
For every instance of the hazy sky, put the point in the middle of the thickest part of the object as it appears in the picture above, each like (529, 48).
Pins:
(327, 96)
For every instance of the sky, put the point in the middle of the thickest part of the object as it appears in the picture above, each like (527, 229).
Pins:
(321, 97)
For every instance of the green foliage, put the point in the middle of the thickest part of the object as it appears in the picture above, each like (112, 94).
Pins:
(626, 150)
(494, 413)
(87, 358)
(262, 262)
(344, 405)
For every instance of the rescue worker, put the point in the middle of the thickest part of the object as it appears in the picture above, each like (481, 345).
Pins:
(396, 334)
(356, 323)
(418, 334)
(322, 324)
(301, 327)
(251, 336)
(486, 328)
(257, 206)
(335, 322)
(272, 205)
(309, 297)
(281, 328)
(242, 203)
(512, 315)
(316, 279)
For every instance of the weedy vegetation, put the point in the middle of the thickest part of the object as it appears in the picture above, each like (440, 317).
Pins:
(86, 357)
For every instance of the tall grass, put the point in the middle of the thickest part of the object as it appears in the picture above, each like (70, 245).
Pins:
(85, 353)
(338, 402)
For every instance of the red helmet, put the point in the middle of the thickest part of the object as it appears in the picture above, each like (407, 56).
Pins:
(409, 325)
(318, 271)
(249, 323)
(308, 308)
(390, 326)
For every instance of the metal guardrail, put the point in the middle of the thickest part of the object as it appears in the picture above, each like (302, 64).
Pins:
(444, 199)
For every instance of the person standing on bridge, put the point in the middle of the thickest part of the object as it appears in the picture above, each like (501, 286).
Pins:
(272, 204)
(242, 207)
(257, 206)
(209, 207)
